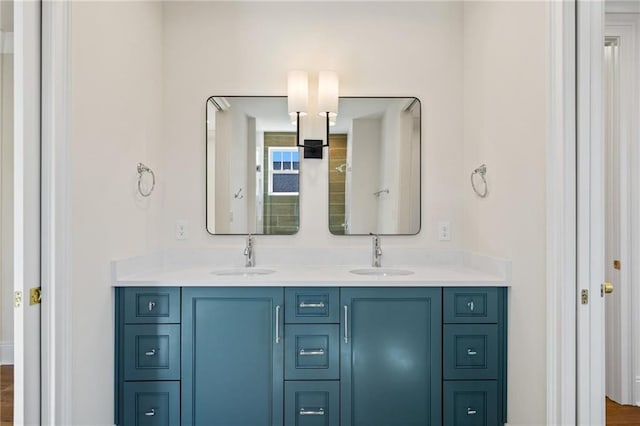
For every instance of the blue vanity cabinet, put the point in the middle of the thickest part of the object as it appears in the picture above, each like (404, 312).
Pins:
(147, 368)
(391, 359)
(305, 356)
(232, 356)
(474, 349)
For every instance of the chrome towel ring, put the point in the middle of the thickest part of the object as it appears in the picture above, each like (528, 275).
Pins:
(142, 169)
(482, 172)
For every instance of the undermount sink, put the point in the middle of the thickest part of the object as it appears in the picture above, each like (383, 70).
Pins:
(383, 272)
(243, 272)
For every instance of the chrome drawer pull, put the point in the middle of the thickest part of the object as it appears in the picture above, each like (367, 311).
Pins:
(278, 324)
(151, 412)
(470, 305)
(346, 325)
(151, 306)
(311, 305)
(306, 352)
(317, 412)
(471, 412)
(471, 352)
(152, 352)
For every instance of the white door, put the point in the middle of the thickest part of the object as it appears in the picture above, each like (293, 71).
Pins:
(26, 211)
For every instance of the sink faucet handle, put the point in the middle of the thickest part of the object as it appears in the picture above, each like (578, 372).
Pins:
(376, 251)
(248, 252)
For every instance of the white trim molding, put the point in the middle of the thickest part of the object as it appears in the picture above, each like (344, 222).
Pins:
(590, 211)
(56, 213)
(561, 217)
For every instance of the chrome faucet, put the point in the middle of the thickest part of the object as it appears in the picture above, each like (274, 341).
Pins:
(249, 260)
(376, 251)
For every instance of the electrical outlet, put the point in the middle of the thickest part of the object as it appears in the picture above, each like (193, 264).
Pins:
(182, 230)
(444, 231)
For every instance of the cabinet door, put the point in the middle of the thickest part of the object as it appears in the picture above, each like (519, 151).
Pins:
(232, 356)
(391, 366)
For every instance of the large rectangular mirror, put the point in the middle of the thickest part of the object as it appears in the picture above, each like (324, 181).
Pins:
(374, 167)
(252, 166)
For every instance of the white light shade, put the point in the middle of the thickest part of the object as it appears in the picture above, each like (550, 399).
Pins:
(298, 92)
(327, 92)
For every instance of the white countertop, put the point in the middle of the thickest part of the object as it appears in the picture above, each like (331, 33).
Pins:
(184, 269)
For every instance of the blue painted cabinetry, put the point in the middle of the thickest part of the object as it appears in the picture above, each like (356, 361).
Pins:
(305, 356)
(474, 348)
(391, 357)
(147, 356)
(232, 356)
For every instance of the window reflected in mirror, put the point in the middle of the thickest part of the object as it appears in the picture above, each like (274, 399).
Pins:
(252, 168)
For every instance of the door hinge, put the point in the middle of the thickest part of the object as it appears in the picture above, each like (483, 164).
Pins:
(17, 298)
(584, 296)
(35, 296)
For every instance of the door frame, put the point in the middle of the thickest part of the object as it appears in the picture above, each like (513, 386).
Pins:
(26, 211)
(57, 356)
(561, 216)
(590, 358)
(575, 214)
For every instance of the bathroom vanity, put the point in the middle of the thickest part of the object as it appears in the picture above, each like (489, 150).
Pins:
(375, 349)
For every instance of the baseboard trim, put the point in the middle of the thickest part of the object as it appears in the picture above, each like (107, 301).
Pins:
(6, 353)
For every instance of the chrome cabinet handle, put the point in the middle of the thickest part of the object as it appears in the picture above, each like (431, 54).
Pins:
(316, 412)
(470, 305)
(471, 412)
(278, 324)
(471, 352)
(152, 305)
(152, 352)
(311, 305)
(307, 352)
(150, 413)
(346, 324)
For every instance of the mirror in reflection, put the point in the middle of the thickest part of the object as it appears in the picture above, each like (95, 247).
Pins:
(374, 167)
(252, 166)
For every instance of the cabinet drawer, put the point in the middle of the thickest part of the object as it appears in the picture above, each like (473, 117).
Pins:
(470, 305)
(312, 305)
(311, 352)
(470, 403)
(151, 404)
(312, 403)
(152, 352)
(151, 305)
(471, 351)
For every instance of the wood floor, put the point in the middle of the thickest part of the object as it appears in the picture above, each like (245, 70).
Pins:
(618, 415)
(6, 395)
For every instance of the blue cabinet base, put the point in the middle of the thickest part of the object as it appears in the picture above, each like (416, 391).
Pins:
(310, 356)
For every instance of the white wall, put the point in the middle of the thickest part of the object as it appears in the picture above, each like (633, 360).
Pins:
(6, 190)
(247, 48)
(505, 88)
(116, 120)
